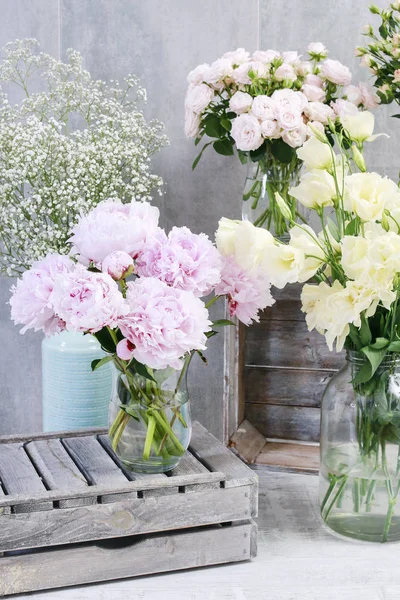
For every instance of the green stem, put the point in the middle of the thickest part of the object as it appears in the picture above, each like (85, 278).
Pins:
(151, 426)
(337, 495)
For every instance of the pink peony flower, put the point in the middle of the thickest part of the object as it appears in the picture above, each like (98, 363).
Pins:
(183, 260)
(118, 265)
(246, 131)
(313, 93)
(113, 226)
(334, 71)
(30, 301)
(263, 108)
(87, 301)
(318, 111)
(285, 73)
(162, 323)
(247, 294)
(344, 107)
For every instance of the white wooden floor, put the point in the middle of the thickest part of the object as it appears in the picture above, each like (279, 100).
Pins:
(297, 560)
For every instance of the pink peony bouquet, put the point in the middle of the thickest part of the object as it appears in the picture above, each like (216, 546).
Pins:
(267, 105)
(156, 320)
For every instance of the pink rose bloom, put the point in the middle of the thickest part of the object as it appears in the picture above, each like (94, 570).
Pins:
(285, 73)
(289, 118)
(265, 56)
(289, 99)
(241, 74)
(246, 131)
(30, 302)
(162, 324)
(113, 226)
(312, 79)
(304, 68)
(353, 94)
(118, 265)
(270, 129)
(368, 98)
(317, 49)
(263, 108)
(313, 93)
(237, 57)
(247, 294)
(87, 301)
(240, 102)
(198, 97)
(296, 137)
(317, 111)
(344, 107)
(220, 71)
(199, 74)
(192, 124)
(291, 57)
(183, 260)
(334, 71)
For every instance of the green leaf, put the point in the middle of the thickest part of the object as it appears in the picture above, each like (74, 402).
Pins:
(375, 357)
(130, 411)
(106, 341)
(365, 332)
(258, 154)
(333, 229)
(364, 374)
(383, 31)
(379, 343)
(242, 157)
(210, 334)
(141, 369)
(396, 116)
(99, 362)
(224, 147)
(351, 227)
(196, 161)
(226, 124)
(394, 347)
(355, 337)
(203, 358)
(282, 151)
(213, 127)
(223, 323)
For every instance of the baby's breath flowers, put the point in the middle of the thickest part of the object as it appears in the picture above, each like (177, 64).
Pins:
(64, 149)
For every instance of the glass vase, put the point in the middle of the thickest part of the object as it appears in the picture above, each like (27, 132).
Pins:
(73, 395)
(149, 420)
(360, 452)
(264, 178)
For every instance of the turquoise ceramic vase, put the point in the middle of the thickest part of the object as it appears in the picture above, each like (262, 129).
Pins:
(73, 396)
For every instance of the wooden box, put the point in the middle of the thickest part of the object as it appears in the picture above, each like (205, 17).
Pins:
(70, 513)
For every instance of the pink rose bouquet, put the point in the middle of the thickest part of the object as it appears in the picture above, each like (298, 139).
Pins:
(266, 105)
(150, 325)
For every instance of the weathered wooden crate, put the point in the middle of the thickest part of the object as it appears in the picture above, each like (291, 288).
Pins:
(70, 513)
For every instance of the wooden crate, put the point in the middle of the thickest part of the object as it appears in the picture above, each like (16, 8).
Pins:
(275, 374)
(70, 513)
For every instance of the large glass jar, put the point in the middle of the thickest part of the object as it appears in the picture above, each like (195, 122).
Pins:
(149, 420)
(360, 451)
(264, 178)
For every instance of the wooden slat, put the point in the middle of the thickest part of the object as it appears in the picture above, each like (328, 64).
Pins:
(285, 422)
(6, 509)
(290, 457)
(217, 457)
(9, 439)
(19, 477)
(127, 517)
(233, 392)
(296, 387)
(289, 344)
(247, 442)
(283, 310)
(189, 465)
(58, 470)
(95, 463)
(90, 563)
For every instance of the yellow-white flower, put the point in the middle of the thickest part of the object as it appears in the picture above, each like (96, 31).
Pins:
(354, 255)
(360, 126)
(283, 264)
(305, 239)
(316, 189)
(368, 194)
(247, 243)
(315, 154)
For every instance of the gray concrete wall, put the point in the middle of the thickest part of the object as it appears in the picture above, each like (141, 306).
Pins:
(161, 40)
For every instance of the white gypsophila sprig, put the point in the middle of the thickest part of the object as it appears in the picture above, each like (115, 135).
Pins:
(65, 148)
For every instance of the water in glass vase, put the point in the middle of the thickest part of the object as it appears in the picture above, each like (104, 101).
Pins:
(358, 499)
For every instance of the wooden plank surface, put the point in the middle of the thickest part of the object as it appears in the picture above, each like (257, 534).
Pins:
(290, 457)
(233, 391)
(95, 463)
(285, 422)
(155, 554)
(19, 477)
(283, 310)
(297, 387)
(289, 344)
(247, 442)
(124, 518)
(17, 437)
(190, 465)
(58, 470)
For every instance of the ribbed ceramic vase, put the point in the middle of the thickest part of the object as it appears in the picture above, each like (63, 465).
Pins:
(74, 397)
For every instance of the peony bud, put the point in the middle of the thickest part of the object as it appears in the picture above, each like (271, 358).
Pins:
(118, 265)
(374, 9)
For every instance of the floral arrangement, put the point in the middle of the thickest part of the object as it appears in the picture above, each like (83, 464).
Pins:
(263, 104)
(352, 298)
(155, 321)
(65, 148)
(382, 54)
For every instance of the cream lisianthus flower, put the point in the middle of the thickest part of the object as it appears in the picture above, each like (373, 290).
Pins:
(315, 154)
(316, 189)
(367, 194)
(305, 239)
(245, 242)
(283, 264)
(354, 255)
(384, 252)
(360, 126)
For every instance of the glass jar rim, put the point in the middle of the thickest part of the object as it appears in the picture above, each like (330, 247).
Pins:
(358, 358)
